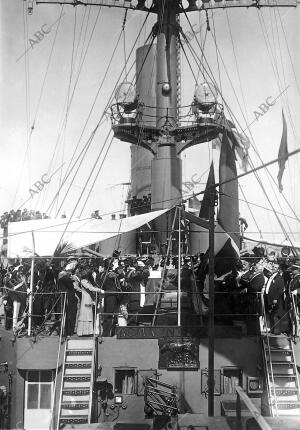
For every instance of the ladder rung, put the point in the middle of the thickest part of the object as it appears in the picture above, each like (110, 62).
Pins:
(287, 404)
(79, 352)
(77, 378)
(75, 405)
(290, 390)
(78, 419)
(282, 375)
(75, 391)
(78, 365)
(284, 351)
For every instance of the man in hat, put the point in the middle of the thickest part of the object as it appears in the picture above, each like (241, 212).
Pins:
(67, 284)
(136, 278)
(107, 280)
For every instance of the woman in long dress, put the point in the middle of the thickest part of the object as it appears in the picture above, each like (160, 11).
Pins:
(85, 326)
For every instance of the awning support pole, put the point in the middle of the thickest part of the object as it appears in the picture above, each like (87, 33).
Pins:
(179, 269)
(31, 286)
(211, 311)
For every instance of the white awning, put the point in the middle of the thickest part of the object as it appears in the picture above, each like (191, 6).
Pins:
(75, 234)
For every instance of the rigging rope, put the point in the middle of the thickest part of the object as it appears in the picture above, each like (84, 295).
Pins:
(27, 103)
(98, 172)
(73, 92)
(86, 147)
(68, 102)
(84, 150)
(82, 192)
(237, 67)
(193, 52)
(124, 43)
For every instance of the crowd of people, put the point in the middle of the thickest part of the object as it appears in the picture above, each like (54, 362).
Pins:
(140, 205)
(260, 275)
(96, 294)
(20, 215)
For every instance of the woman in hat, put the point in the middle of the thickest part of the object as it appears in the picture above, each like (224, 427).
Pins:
(16, 289)
(85, 325)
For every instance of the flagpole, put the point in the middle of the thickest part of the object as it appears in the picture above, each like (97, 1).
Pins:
(31, 286)
(211, 310)
(179, 269)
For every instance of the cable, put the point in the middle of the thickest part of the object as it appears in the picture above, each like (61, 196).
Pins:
(124, 42)
(27, 99)
(98, 172)
(73, 92)
(107, 105)
(68, 101)
(250, 210)
(210, 69)
(182, 47)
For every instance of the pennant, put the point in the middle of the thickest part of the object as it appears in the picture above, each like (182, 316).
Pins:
(229, 203)
(282, 153)
(204, 210)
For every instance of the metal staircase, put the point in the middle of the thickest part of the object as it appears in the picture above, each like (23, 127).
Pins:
(76, 394)
(281, 373)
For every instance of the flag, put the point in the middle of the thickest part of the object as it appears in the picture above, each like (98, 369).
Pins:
(282, 153)
(229, 203)
(241, 144)
(204, 210)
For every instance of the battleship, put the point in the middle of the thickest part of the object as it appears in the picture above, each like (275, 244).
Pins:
(168, 313)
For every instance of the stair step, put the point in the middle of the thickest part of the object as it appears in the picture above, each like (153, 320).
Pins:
(78, 365)
(68, 411)
(280, 372)
(80, 344)
(288, 405)
(79, 419)
(287, 398)
(66, 398)
(75, 372)
(282, 391)
(283, 383)
(277, 343)
(74, 405)
(79, 356)
(83, 378)
(283, 376)
(284, 351)
(84, 385)
(289, 412)
(79, 352)
(74, 391)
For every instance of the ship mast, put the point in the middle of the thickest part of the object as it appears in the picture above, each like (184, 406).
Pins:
(169, 138)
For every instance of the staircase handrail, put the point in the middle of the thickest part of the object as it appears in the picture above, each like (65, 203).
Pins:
(295, 370)
(271, 392)
(95, 335)
(62, 327)
(294, 317)
(252, 408)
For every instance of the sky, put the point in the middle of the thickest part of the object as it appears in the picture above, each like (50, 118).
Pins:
(254, 56)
